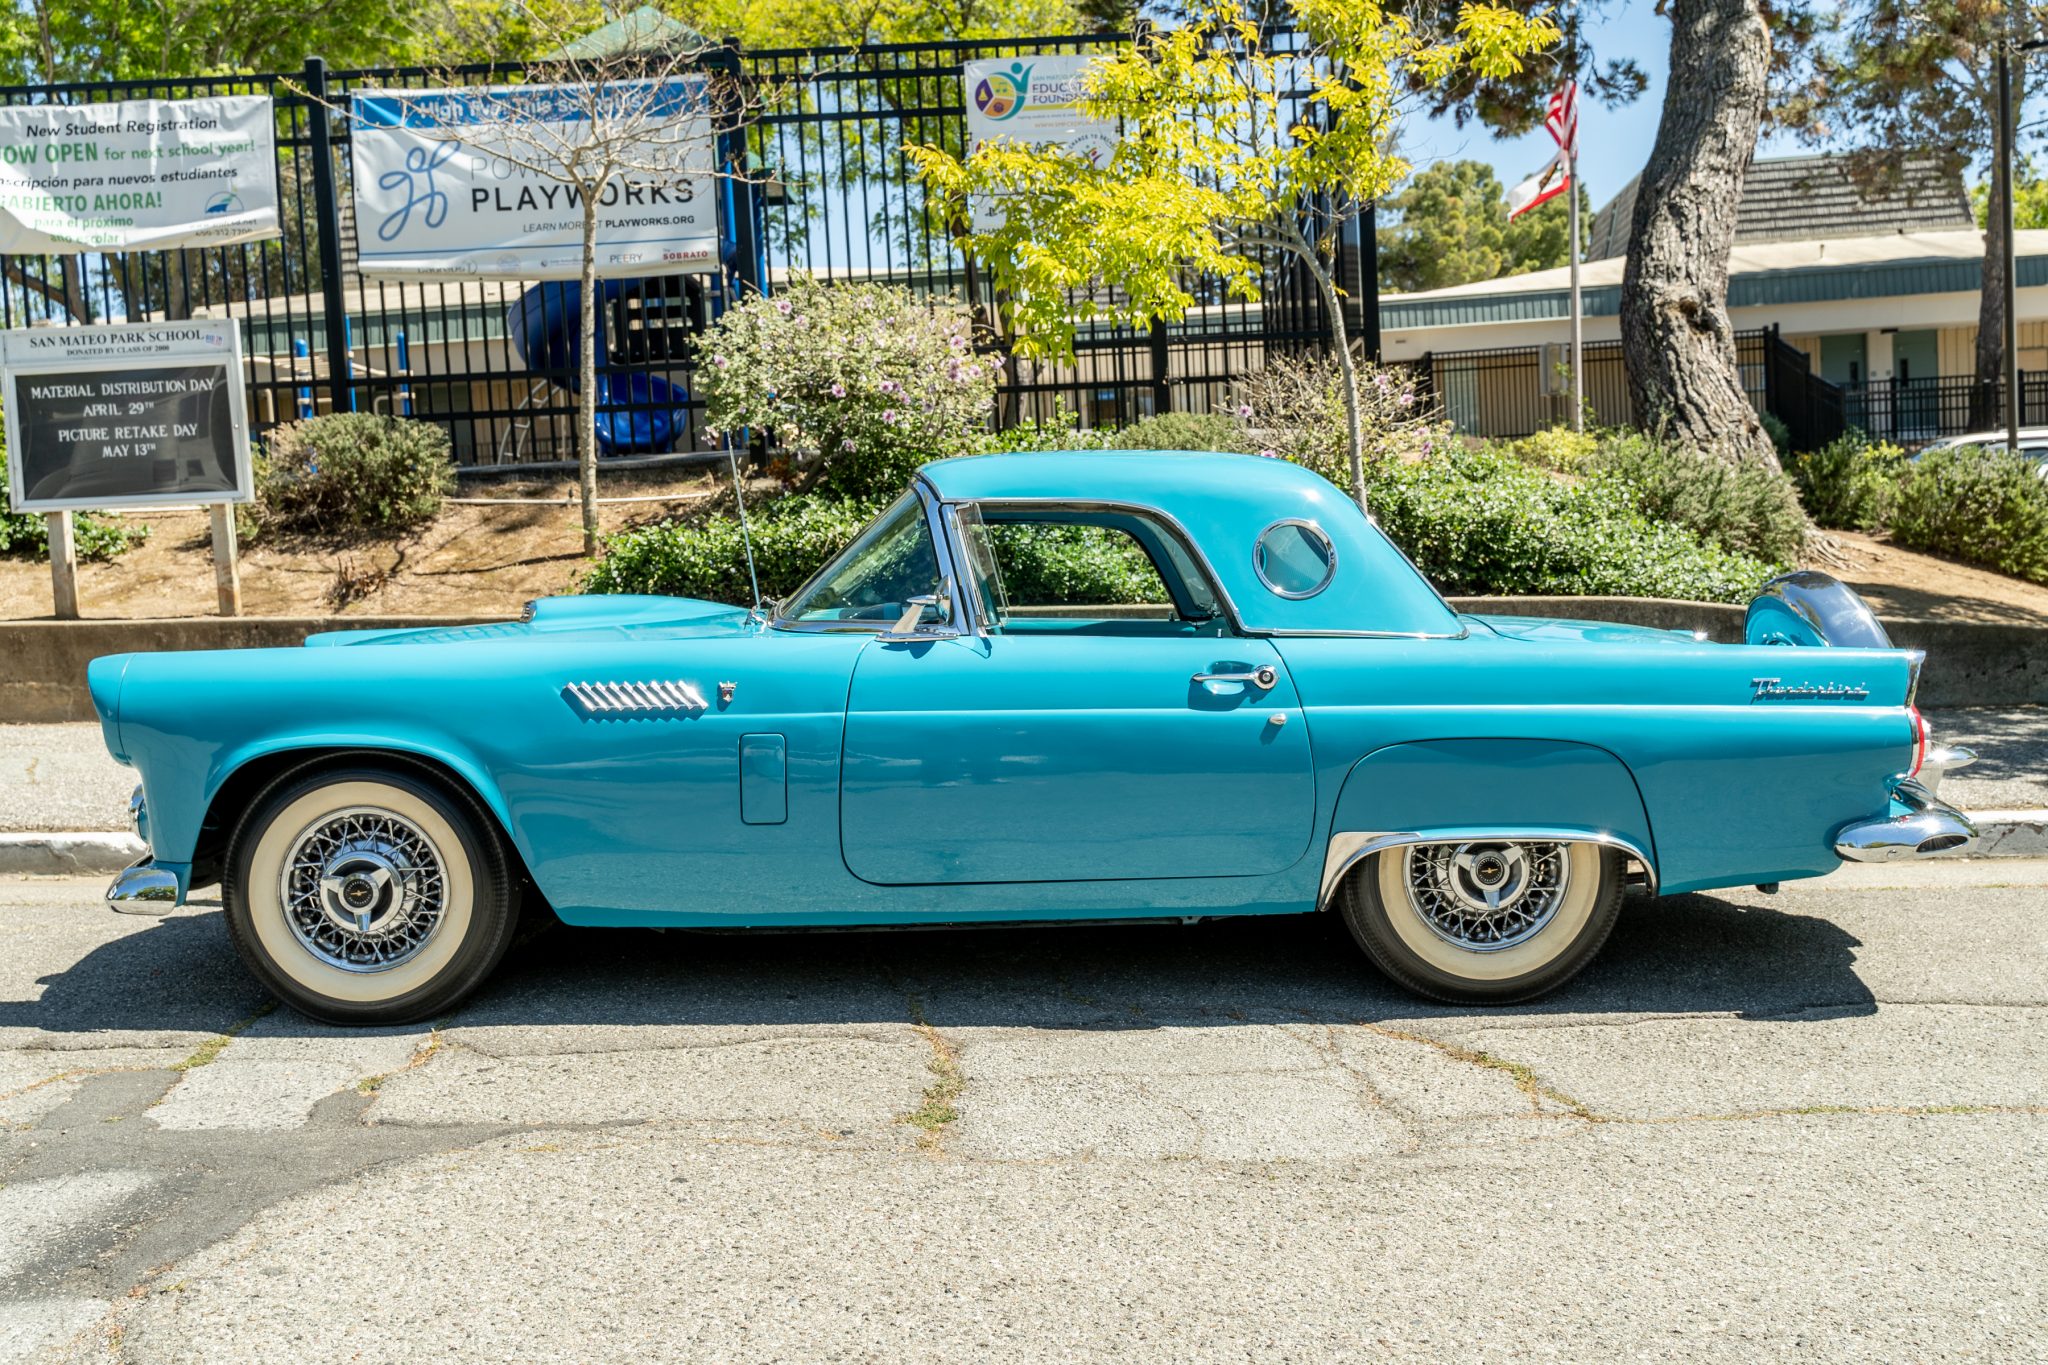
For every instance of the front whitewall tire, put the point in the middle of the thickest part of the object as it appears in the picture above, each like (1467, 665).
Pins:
(448, 874)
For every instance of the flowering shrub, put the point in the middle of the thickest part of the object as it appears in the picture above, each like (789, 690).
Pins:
(1294, 408)
(861, 383)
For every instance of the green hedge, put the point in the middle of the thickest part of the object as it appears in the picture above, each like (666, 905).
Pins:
(1985, 507)
(1850, 484)
(1482, 522)
(1740, 506)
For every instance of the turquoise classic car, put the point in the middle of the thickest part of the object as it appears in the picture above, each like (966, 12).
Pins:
(940, 728)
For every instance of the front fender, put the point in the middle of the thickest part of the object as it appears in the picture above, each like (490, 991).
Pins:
(1451, 790)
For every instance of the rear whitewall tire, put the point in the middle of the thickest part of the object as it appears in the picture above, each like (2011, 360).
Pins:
(474, 910)
(1385, 920)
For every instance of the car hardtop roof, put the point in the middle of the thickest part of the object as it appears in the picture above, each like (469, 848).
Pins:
(1225, 504)
(1155, 478)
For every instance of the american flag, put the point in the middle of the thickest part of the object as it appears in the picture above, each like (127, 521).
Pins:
(1561, 118)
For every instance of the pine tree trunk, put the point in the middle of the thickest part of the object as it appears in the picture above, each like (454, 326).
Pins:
(1990, 367)
(1677, 341)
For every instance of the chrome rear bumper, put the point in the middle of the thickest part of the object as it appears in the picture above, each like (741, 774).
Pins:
(1918, 825)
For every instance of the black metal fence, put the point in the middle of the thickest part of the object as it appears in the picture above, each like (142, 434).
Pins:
(838, 200)
(1914, 411)
(1514, 391)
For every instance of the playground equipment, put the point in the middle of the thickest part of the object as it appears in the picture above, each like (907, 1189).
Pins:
(637, 412)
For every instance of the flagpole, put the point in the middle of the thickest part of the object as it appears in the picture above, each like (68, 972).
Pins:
(1578, 329)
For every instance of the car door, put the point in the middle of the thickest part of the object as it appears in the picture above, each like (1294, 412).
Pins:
(1073, 755)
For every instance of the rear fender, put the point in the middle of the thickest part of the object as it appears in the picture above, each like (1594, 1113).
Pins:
(1453, 790)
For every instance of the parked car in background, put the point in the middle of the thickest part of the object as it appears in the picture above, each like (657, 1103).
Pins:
(934, 730)
(2033, 445)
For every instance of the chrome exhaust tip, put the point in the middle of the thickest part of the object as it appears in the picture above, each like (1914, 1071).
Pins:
(1928, 827)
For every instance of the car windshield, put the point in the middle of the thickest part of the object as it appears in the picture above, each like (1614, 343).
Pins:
(874, 578)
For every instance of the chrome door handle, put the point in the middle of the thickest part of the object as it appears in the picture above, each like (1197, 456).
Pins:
(1263, 677)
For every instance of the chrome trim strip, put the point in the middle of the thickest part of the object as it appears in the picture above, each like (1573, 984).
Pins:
(621, 700)
(1892, 838)
(1916, 659)
(1349, 848)
(1463, 632)
(144, 889)
(1259, 558)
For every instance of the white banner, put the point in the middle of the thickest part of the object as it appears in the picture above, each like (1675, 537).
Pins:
(137, 174)
(439, 189)
(1034, 102)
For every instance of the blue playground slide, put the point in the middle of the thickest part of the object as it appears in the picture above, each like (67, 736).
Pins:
(636, 411)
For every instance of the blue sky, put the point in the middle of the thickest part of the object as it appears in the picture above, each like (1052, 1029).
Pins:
(1613, 143)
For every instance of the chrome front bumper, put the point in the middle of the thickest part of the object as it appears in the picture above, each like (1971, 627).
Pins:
(1919, 824)
(144, 889)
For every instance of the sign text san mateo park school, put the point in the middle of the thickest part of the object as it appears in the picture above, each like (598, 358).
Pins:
(137, 174)
(440, 187)
(125, 414)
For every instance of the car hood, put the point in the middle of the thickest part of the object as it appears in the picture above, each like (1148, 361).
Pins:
(600, 616)
(1549, 630)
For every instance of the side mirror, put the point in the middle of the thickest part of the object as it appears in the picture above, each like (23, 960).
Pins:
(910, 625)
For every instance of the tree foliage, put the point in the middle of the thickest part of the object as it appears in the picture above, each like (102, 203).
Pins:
(1217, 171)
(1450, 226)
(1906, 80)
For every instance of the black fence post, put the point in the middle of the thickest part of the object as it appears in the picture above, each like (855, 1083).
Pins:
(1162, 363)
(737, 163)
(327, 208)
(1369, 281)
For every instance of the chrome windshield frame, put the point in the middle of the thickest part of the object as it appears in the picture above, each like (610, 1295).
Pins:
(960, 608)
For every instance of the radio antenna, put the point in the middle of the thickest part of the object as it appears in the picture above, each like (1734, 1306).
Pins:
(739, 496)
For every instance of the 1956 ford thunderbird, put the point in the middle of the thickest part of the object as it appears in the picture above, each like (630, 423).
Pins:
(933, 730)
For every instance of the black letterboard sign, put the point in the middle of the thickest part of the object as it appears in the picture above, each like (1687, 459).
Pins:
(125, 414)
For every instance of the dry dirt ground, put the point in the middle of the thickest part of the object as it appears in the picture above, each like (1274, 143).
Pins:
(474, 561)
(489, 560)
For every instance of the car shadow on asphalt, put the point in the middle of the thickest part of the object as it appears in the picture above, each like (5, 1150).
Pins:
(1682, 955)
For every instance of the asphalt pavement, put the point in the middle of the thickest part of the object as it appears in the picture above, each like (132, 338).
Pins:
(1812, 1124)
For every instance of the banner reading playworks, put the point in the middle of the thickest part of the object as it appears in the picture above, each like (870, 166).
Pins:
(137, 174)
(446, 182)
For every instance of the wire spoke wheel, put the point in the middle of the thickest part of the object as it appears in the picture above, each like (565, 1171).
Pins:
(1486, 896)
(363, 889)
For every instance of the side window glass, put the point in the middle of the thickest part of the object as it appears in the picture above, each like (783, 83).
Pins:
(1057, 569)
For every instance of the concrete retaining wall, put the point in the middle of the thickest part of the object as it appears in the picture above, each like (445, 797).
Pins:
(42, 663)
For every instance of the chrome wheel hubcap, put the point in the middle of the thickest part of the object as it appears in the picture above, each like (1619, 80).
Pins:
(363, 889)
(1484, 896)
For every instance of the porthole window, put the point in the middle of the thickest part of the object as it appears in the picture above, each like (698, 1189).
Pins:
(1295, 559)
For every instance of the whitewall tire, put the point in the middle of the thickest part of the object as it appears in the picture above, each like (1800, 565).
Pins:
(1484, 922)
(368, 896)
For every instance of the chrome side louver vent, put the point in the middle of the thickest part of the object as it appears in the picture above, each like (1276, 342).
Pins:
(634, 700)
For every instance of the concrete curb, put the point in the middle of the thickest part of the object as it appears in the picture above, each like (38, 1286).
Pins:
(75, 853)
(2001, 834)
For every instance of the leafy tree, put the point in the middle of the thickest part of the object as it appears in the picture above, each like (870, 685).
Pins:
(2029, 197)
(1450, 226)
(1910, 79)
(1216, 173)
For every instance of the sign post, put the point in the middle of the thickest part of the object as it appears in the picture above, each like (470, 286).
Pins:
(132, 414)
(63, 566)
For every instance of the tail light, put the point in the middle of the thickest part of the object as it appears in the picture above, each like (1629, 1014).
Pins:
(1919, 740)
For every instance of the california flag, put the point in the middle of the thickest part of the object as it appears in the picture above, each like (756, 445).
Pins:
(1541, 187)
